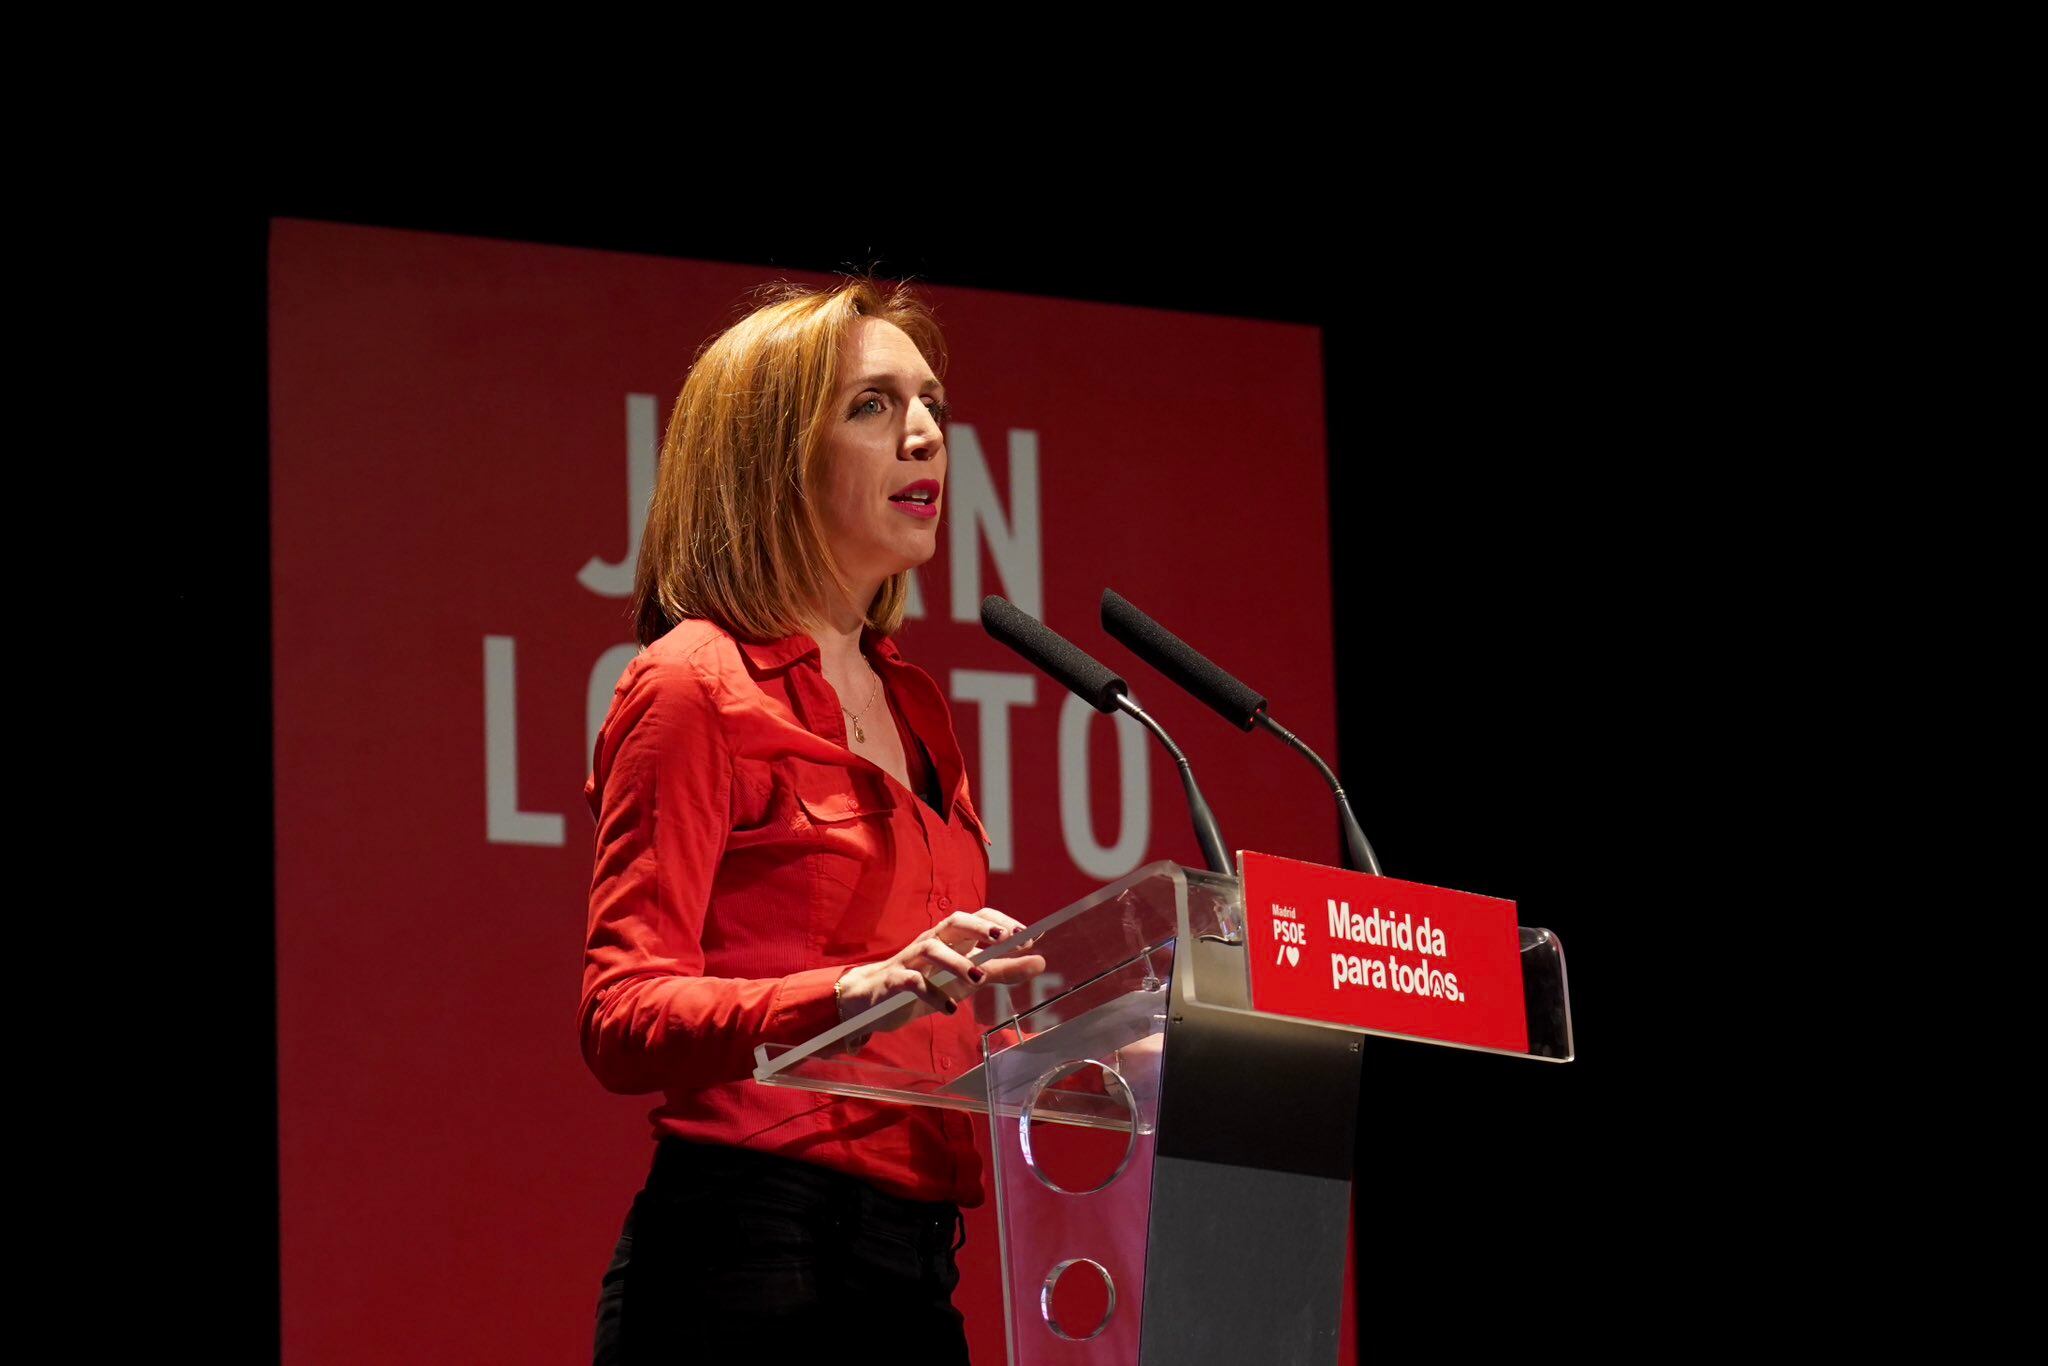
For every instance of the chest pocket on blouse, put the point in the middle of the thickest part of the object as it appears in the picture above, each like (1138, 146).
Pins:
(845, 824)
(829, 794)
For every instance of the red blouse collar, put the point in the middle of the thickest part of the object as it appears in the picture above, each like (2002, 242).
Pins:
(779, 654)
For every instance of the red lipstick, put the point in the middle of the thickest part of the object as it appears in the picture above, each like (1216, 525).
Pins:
(920, 500)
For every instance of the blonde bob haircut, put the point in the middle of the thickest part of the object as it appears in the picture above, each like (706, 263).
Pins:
(733, 533)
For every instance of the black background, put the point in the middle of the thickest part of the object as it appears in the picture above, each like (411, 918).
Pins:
(1508, 406)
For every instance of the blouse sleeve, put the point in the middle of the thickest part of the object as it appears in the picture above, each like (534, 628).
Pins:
(659, 788)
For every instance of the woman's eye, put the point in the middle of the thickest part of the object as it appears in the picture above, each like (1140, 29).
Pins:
(869, 406)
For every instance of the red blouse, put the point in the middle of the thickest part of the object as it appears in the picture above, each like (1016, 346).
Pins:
(744, 857)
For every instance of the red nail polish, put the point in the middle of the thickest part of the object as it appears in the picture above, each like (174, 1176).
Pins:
(976, 975)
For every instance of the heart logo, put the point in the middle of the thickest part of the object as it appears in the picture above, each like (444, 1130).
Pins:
(1293, 956)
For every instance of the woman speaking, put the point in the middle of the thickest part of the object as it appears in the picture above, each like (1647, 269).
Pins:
(784, 838)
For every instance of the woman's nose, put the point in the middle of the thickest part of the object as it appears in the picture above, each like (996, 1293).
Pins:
(925, 443)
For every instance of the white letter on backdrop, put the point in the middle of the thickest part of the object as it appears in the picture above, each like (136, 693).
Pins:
(1134, 786)
(976, 513)
(504, 822)
(996, 693)
(616, 580)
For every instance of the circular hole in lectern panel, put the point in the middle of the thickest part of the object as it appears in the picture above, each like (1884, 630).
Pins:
(1080, 1127)
(1077, 1299)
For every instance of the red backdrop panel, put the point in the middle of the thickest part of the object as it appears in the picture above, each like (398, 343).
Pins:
(457, 425)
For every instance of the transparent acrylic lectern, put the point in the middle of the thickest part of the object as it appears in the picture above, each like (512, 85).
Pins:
(1172, 1167)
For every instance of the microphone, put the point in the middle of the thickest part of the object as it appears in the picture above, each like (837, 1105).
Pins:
(1088, 680)
(1230, 699)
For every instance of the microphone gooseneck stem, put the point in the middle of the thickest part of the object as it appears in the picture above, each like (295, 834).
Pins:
(1358, 854)
(1206, 832)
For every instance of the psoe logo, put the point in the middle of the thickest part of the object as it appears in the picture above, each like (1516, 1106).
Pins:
(1289, 934)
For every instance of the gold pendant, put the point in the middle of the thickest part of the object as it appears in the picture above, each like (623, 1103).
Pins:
(858, 734)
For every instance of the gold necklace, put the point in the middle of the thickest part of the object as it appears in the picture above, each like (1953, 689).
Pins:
(860, 735)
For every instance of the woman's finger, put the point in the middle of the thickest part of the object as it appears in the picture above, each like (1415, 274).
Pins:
(969, 925)
(941, 954)
(1020, 967)
(1011, 925)
(1009, 922)
(915, 981)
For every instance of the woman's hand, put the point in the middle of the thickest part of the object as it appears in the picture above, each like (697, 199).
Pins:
(945, 945)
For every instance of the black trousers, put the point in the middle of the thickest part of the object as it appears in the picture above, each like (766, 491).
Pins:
(733, 1255)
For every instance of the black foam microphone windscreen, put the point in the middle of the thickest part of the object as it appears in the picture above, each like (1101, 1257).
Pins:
(1172, 656)
(1043, 646)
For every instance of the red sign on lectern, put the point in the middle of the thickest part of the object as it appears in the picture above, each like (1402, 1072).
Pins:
(1350, 948)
